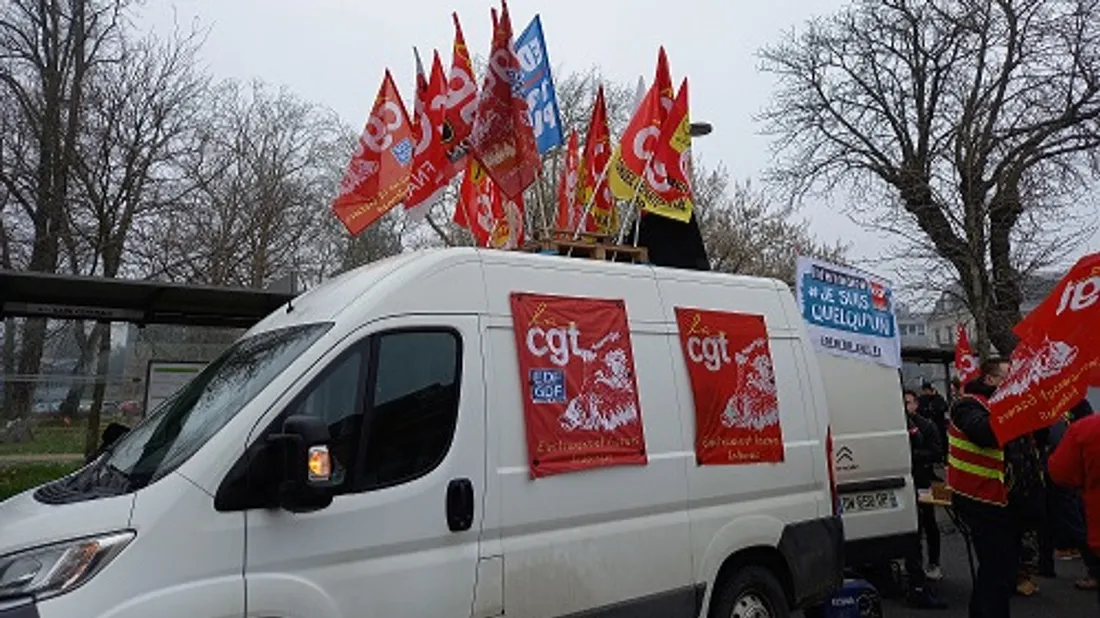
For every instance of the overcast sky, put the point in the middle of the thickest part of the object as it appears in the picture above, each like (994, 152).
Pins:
(334, 52)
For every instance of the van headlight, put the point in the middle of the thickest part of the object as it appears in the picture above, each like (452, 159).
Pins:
(55, 569)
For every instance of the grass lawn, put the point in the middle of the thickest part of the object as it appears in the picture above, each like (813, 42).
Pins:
(51, 439)
(19, 477)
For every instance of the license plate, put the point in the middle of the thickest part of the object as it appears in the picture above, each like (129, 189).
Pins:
(869, 501)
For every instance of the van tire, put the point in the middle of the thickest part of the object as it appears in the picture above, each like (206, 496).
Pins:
(751, 591)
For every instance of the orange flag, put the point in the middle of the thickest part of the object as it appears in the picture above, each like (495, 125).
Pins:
(429, 158)
(597, 154)
(461, 106)
(377, 178)
(569, 210)
(503, 139)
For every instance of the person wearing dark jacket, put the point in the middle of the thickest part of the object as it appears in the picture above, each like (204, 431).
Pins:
(925, 450)
(932, 406)
(993, 491)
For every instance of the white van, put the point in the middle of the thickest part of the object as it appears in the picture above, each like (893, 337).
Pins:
(361, 452)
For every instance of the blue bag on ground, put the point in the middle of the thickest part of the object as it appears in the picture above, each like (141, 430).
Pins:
(856, 599)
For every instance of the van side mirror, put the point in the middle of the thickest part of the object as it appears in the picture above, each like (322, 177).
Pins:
(302, 447)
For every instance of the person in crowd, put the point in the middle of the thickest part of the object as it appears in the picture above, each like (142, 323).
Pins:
(1075, 464)
(1065, 534)
(933, 407)
(926, 449)
(996, 491)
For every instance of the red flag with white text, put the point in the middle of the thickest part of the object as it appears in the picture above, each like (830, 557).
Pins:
(1058, 356)
(729, 362)
(377, 178)
(594, 162)
(966, 362)
(503, 139)
(461, 104)
(569, 210)
(430, 158)
(577, 375)
(670, 181)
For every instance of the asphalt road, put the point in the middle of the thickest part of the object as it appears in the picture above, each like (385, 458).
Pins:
(1057, 598)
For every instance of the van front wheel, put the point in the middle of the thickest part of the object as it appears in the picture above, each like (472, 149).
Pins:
(752, 593)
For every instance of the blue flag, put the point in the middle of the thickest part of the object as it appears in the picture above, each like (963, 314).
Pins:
(537, 87)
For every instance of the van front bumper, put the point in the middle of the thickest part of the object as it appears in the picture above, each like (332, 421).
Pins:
(18, 608)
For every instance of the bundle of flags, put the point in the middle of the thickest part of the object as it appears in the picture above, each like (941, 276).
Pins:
(495, 135)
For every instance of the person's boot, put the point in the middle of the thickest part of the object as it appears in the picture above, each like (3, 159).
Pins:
(925, 598)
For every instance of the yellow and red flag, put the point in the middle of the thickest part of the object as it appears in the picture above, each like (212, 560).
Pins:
(503, 138)
(429, 158)
(631, 158)
(377, 178)
(602, 216)
(669, 174)
(569, 209)
(461, 104)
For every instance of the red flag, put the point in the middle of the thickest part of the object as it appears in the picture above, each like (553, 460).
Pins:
(662, 82)
(475, 207)
(597, 154)
(1058, 356)
(668, 175)
(631, 159)
(377, 178)
(461, 104)
(568, 209)
(966, 362)
(429, 158)
(580, 393)
(733, 387)
(503, 139)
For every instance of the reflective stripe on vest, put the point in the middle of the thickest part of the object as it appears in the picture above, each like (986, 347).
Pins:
(975, 471)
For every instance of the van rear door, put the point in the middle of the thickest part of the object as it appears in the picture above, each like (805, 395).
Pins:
(871, 457)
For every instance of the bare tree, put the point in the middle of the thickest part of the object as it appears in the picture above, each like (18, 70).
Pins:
(264, 173)
(49, 49)
(747, 233)
(967, 128)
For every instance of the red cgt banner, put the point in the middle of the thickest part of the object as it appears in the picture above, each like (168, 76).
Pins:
(1058, 356)
(580, 396)
(732, 381)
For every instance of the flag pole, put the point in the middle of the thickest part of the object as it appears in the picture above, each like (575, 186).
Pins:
(539, 202)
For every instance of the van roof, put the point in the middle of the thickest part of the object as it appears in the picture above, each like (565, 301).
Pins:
(427, 268)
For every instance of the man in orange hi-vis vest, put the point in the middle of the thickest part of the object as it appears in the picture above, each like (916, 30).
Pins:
(989, 493)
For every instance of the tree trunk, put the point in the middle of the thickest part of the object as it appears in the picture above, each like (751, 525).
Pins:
(91, 436)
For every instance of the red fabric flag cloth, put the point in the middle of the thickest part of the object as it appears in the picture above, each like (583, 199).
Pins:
(569, 210)
(669, 176)
(494, 221)
(503, 139)
(580, 394)
(594, 163)
(1058, 356)
(733, 386)
(427, 179)
(662, 83)
(461, 105)
(966, 362)
(377, 178)
(631, 159)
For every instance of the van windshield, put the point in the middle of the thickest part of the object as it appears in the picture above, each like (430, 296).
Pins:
(184, 422)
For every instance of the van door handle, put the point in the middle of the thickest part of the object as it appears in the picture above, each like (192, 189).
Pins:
(460, 505)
